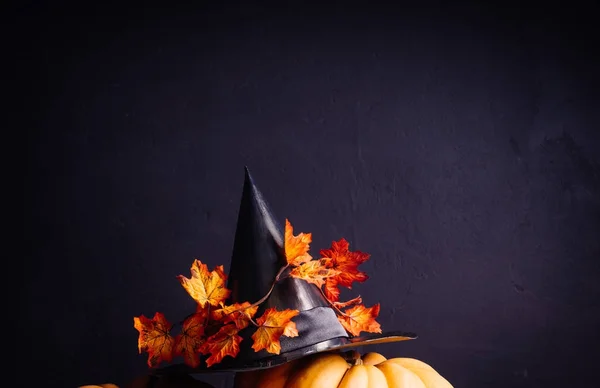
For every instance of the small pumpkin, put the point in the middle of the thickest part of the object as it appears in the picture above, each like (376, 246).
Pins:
(345, 370)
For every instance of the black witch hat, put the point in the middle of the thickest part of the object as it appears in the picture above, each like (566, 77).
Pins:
(258, 255)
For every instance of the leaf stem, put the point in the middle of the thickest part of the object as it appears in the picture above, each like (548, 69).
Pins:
(261, 300)
(266, 326)
(281, 272)
(337, 310)
(272, 287)
(207, 317)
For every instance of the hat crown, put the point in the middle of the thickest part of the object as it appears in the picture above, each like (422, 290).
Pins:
(258, 255)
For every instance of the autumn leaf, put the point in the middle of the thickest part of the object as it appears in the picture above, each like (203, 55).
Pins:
(332, 292)
(272, 325)
(345, 261)
(154, 338)
(226, 342)
(238, 313)
(188, 342)
(314, 271)
(296, 247)
(204, 310)
(360, 318)
(206, 287)
(351, 302)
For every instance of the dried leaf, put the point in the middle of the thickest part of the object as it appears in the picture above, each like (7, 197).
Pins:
(154, 338)
(226, 342)
(360, 318)
(296, 247)
(188, 342)
(238, 313)
(314, 271)
(206, 287)
(274, 324)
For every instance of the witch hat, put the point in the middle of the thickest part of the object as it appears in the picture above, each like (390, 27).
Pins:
(258, 255)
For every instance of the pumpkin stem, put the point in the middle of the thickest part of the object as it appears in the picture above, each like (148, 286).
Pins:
(353, 358)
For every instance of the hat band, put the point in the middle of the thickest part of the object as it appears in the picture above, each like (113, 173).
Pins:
(314, 326)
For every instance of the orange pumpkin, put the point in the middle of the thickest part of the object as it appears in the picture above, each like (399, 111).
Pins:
(345, 370)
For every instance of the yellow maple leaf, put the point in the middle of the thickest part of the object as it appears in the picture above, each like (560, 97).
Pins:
(360, 318)
(314, 271)
(206, 287)
(154, 338)
(238, 313)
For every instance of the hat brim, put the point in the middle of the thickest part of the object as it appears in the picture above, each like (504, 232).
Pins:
(229, 364)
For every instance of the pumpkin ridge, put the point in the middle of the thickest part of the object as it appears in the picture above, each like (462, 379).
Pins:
(344, 370)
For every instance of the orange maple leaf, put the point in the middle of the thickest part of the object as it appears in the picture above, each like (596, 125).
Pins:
(274, 324)
(204, 286)
(226, 342)
(188, 342)
(238, 313)
(154, 338)
(351, 302)
(345, 261)
(296, 247)
(314, 271)
(360, 318)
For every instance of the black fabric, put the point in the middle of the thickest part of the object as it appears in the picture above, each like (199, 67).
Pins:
(258, 247)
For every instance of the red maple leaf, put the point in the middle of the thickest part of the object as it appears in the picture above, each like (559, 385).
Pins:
(154, 338)
(346, 262)
(226, 342)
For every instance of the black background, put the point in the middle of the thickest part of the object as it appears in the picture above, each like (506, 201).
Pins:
(458, 145)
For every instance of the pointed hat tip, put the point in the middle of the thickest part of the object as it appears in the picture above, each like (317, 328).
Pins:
(248, 176)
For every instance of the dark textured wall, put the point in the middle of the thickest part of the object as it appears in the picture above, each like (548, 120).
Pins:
(458, 146)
